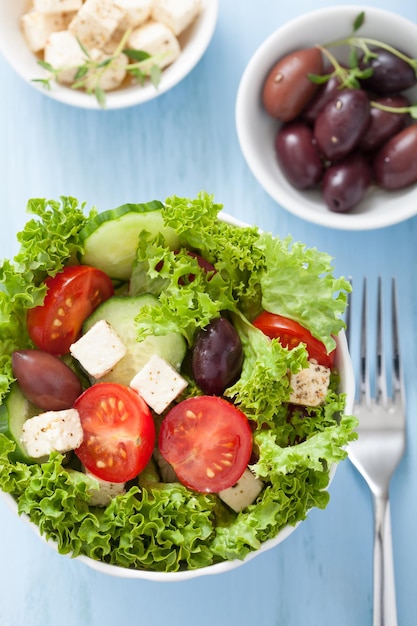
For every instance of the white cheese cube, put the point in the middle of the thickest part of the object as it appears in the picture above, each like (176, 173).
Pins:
(176, 14)
(136, 12)
(95, 22)
(309, 386)
(105, 491)
(63, 52)
(51, 431)
(157, 40)
(112, 76)
(243, 493)
(99, 349)
(37, 27)
(57, 6)
(158, 383)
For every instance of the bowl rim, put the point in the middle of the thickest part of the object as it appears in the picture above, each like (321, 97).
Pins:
(345, 368)
(194, 49)
(247, 93)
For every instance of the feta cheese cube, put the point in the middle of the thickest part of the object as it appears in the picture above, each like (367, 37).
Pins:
(136, 12)
(157, 40)
(95, 22)
(158, 383)
(38, 26)
(63, 52)
(243, 493)
(57, 6)
(58, 431)
(309, 386)
(105, 491)
(112, 76)
(99, 349)
(176, 14)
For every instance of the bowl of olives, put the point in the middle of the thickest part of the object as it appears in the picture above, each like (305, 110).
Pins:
(326, 117)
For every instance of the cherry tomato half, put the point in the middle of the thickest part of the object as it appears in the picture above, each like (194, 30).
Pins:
(208, 441)
(119, 432)
(72, 296)
(291, 333)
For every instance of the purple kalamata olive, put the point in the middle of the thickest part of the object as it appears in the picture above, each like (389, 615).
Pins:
(324, 94)
(345, 182)
(341, 123)
(297, 154)
(217, 356)
(390, 73)
(45, 380)
(395, 163)
(287, 87)
(384, 124)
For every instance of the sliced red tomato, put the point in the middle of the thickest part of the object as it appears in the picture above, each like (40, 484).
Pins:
(119, 432)
(208, 441)
(72, 295)
(291, 333)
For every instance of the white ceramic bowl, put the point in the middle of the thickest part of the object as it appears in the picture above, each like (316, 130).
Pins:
(194, 42)
(347, 386)
(256, 129)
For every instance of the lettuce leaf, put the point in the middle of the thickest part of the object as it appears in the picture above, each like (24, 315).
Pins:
(263, 387)
(282, 504)
(299, 284)
(47, 243)
(318, 452)
(185, 305)
(165, 529)
(233, 250)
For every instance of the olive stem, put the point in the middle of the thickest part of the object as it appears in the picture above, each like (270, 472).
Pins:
(347, 77)
(338, 70)
(412, 110)
(363, 43)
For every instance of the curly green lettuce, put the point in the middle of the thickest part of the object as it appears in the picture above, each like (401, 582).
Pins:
(299, 284)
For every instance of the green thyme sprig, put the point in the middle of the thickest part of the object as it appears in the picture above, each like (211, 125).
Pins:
(89, 74)
(349, 76)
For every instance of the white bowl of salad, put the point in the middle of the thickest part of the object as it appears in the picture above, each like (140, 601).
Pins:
(110, 54)
(170, 379)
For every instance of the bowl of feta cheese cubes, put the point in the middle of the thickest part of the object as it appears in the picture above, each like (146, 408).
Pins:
(105, 53)
(175, 394)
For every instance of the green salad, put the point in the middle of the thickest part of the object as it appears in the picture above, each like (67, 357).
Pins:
(238, 316)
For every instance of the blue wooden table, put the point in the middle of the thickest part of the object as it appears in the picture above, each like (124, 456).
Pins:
(181, 143)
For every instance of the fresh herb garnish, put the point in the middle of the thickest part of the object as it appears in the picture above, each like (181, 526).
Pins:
(88, 75)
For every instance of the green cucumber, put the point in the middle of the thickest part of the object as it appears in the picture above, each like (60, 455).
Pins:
(110, 238)
(14, 411)
(120, 313)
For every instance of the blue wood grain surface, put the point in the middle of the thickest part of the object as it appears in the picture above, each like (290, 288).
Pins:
(180, 143)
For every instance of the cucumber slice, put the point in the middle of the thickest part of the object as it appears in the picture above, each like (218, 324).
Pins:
(120, 313)
(110, 238)
(14, 411)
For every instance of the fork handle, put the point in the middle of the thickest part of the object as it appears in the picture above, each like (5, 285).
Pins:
(384, 601)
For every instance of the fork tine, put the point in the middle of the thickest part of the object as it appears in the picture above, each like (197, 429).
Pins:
(398, 385)
(364, 366)
(381, 382)
(348, 316)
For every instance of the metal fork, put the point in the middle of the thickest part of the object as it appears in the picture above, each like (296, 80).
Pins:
(380, 444)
